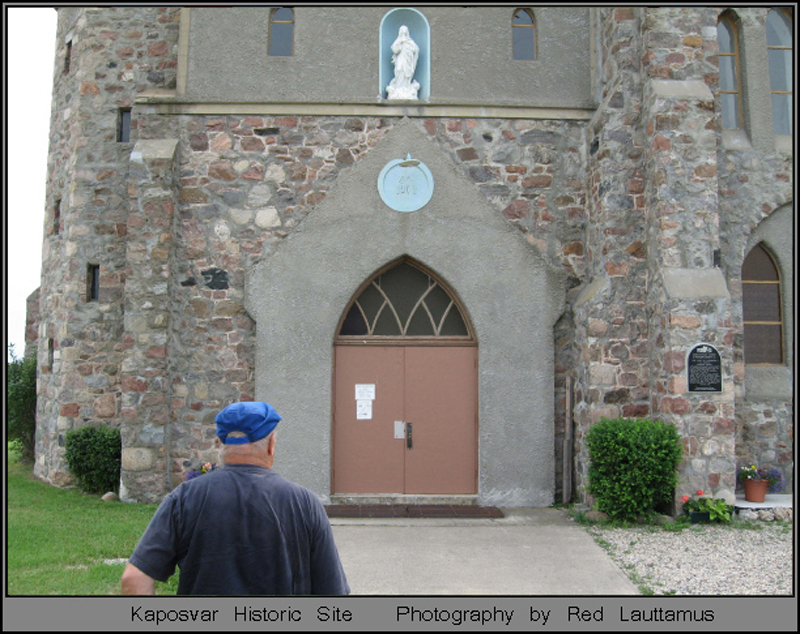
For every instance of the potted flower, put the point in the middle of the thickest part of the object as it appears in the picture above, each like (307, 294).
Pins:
(706, 509)
(758, 482)
(198, 472)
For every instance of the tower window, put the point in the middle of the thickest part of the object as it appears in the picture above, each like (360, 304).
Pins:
(92, 282)
(281, 32)
(124, 125)
(67, 57)
(57, 217)
(523, 35)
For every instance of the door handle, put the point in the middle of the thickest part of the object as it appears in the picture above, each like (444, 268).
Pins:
(409, 440)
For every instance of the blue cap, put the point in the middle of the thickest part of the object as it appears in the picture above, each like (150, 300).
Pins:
(254, 419)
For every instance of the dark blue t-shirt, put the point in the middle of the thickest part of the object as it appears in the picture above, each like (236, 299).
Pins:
(242, 530)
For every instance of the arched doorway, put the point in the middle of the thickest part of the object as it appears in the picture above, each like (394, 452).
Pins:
(405, 417)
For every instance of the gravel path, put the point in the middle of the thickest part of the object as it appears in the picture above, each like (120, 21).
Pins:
(706, 560)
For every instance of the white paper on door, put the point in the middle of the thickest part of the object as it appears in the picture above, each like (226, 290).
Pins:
(364, 410)
(365, 391)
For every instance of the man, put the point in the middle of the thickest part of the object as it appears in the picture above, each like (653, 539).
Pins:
(241, 529)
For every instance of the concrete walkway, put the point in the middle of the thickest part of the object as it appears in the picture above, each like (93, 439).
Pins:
(528, 552)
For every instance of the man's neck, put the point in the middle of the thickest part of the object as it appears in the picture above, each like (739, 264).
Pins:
(249, 458)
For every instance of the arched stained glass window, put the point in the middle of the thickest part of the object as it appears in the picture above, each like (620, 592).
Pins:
(281, 32)
(523, 34)
(761, 307)
(779, 49)
(404, 302)
(729, 93)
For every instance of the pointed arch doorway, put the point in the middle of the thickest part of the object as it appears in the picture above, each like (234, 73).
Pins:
(405, 416)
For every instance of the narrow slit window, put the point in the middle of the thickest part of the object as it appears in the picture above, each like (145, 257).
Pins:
(124, 125)
(761, 309)
(93, 282)
(779, 51)
(729, 92)
(523, 34)
(57, 217)
(51, 352)
(68, 57)
(281, 32)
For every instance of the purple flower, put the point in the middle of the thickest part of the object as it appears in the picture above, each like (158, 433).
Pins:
(206, 468)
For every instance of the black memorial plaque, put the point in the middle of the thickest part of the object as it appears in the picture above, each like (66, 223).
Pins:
(704, 369)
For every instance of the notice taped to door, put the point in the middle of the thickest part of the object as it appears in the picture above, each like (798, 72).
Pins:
(364, 410)
(365, 394)
(365, 391)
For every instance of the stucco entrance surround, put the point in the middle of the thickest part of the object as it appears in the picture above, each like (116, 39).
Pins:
(298, 291)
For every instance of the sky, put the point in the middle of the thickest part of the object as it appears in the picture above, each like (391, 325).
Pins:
(29, 56)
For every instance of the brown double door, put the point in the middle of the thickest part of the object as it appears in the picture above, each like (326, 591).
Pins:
(416, 430)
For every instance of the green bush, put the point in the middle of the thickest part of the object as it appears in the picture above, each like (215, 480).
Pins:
(93, 455)
(633, 466)
(21, 420)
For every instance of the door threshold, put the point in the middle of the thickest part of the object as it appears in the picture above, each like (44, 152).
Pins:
(360, 499)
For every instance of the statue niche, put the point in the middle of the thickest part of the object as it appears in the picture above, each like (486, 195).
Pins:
(405, 55)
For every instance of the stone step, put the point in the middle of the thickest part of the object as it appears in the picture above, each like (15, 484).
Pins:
(400, 499)
(428, 511)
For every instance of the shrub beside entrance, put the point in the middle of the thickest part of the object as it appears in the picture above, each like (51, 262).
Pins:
(633, 466)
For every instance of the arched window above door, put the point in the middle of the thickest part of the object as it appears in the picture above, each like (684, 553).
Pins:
(404, 302)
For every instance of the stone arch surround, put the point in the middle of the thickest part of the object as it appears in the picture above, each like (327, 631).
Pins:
(297, 292)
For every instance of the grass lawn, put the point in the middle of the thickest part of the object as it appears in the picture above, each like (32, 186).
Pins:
(64, 542)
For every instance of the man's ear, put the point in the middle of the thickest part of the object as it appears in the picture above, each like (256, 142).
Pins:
(217, 443)
(271, 444)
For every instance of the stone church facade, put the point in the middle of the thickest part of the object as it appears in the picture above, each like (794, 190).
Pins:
(602, 208)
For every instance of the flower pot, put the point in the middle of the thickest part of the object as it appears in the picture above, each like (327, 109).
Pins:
(699, 517)
(755, 490)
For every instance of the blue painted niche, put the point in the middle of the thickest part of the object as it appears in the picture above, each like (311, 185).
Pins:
(420, 32)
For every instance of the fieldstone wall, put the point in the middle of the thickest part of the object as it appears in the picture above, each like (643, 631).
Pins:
(688, 294)
(702, 195)
(114, 54)
(147, 383)
(756, 183)
(649, 209)
(611, 362)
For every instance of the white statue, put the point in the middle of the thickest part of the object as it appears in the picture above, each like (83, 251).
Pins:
(406, 54)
